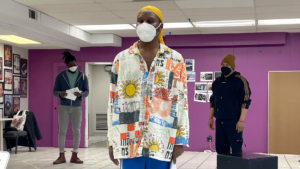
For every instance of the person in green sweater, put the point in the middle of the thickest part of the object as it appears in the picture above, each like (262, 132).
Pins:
(70, 109)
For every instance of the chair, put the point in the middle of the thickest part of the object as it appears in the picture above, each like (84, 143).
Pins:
(11, 133)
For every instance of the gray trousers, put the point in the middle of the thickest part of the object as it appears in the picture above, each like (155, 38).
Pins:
(66, 113)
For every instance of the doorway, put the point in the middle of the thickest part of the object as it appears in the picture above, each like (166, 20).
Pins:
(98, 74)
(284, 107)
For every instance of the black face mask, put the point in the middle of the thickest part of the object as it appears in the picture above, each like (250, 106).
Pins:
(225, 70)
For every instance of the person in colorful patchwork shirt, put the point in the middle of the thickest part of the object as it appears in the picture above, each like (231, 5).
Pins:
(148, 122)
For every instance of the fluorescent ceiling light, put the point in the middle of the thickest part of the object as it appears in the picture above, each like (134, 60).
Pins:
(279, 21)
(225, 23)
(173, 25)
(178, 25)
(17, 39)
(105, 27)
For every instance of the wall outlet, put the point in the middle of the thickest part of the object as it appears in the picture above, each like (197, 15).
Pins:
(209, 139)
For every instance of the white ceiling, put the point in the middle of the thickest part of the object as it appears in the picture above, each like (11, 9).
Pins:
(98, 12)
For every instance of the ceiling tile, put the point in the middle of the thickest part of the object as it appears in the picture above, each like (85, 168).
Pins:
(186, 4)
(267, 3)
(278, 12)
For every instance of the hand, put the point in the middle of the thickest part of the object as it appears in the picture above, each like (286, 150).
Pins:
(211, 124)
(77, 94)
(111, 156)
(63, 94)
(240, 126)
(177, 151)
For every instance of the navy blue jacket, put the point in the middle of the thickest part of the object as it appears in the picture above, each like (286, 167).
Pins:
(62, 84)
(229, 96)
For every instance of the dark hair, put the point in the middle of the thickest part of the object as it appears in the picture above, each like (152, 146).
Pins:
(68, 57)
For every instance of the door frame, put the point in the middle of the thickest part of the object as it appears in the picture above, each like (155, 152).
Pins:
(87, 64)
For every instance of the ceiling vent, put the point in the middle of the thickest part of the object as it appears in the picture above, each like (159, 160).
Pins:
(33, 14)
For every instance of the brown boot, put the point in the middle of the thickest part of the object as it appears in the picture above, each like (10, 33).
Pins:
(61, 159)
(75, 159)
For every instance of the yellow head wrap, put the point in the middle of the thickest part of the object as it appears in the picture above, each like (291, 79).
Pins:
(157, 13)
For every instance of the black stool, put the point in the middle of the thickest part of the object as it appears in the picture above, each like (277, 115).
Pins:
(15, 135)
(247, 161)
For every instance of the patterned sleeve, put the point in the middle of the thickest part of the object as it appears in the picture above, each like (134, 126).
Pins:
(245, 92)
(113, 96)
(183, 128)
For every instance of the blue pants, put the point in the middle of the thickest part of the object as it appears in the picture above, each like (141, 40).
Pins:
(143, 163)
(227, 137)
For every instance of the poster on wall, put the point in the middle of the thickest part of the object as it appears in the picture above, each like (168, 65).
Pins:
(23, 88)
(8, 105)
(191, 76)
(8, 78)
(1, 93)
(217, 75)
(200, 97)
(189, 64)
(206, 76)
(17, 64)
(1, 69)
(7, 56)
(24, 68)
(201, 87)
(16, 84)
(16, 102)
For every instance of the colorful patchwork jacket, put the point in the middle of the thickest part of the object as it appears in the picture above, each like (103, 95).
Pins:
(148, 110)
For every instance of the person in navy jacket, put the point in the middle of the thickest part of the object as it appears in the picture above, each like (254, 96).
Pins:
(70, 109)
(229, 104)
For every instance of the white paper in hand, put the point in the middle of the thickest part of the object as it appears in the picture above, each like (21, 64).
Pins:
(70, 93)
(173, 165)
(70, 96)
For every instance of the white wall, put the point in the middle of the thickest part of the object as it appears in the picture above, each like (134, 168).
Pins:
(24, 54)
(89, 71)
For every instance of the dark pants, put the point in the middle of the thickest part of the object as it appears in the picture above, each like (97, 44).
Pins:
(227, 136)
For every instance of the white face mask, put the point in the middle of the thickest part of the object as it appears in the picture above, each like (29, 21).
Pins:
(73, 68)
(146, 31)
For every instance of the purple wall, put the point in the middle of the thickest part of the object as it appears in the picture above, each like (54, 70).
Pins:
(256, 55)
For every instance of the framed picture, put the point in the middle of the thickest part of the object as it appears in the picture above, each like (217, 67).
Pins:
(23, 87)
(8, 105)
(201, 87)
(16, 84)
(206, 76)
(217, 75)
(24, 68)
(17, 63)
(189, 64)
(191, 76)
(209, 87)
(1, 69)
(8, 78)
(1, 93)
(16, 102)
(1, 113)
(200, 97)
(208, 96)
(7, 56)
